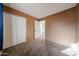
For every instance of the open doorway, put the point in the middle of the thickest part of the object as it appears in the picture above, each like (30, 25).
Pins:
(39, 29)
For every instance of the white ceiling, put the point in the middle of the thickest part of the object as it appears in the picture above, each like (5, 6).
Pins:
(40, 10)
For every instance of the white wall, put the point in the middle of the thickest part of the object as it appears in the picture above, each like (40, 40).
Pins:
(14, 30)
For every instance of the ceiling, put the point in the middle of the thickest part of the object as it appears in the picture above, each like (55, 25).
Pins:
(40, 10)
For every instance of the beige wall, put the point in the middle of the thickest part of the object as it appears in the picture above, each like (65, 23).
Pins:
(60, 28)
(77, 23)
(30, 28)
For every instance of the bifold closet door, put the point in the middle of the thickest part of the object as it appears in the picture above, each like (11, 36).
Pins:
(1, 26)
(15, 30)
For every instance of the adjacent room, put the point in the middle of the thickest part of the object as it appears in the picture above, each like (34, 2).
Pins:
(40, 29)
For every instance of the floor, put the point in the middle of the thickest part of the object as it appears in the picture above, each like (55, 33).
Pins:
(36, 48)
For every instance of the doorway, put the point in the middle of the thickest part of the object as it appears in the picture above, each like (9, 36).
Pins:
(39, 29)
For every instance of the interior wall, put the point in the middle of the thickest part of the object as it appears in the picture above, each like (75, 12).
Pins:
(60, 27)
(30, 28)
(8, 27)
(77, 24)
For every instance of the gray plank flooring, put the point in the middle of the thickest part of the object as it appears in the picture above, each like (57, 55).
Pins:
(35, 48)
